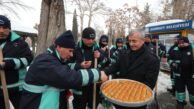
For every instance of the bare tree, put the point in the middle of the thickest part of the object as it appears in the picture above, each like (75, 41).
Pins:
(52, 23)
(7, 5)
(183, 9)
(145, 16)
(94, 7)
(116, 24)
(89, 8)
(167, 11)
(82, 10)
(122, 20)
(134, 17)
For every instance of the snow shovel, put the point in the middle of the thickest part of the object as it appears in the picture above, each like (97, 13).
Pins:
(94, 87)
(3, 82)
(156, 89)
(155, 96)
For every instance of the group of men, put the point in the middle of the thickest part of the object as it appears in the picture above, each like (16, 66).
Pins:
(66, 65)
(180, 58)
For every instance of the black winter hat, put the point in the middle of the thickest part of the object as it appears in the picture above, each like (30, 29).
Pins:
(178, 36)
(104, 38)
(183, 39)
(119, 40)
(148, 35)
(89, 33)
(155, 36)
(66, 40)
(4, 21)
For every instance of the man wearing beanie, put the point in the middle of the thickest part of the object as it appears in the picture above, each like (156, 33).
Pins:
(16, 57)
(117, 47)
(103, 43)
(161, 48)
(50, 75)
(169, 58)
(148, 43)
(115, 50)
(181, 62)
(87, 50)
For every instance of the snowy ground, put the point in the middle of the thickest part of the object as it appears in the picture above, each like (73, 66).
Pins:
(163, 82)
(165, 99)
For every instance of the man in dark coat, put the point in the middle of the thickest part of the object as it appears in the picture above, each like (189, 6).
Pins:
(148, 43)
(16, 57)
(137, 64)
(50, 75)
(170, 51)
(103, 44)
(161, 48)
(182, 64)
(86, 51)
(119, 45)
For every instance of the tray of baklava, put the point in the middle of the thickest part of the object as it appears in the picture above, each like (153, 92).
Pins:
(128, 93)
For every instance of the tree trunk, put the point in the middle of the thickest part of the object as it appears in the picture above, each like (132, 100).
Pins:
(43, 26)
(82, 22)
(52, 23)
(90, 19)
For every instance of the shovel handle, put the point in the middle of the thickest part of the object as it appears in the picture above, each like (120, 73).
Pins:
(94, 87)
(4, 85)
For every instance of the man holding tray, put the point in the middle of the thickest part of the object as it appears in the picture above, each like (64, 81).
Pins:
(139, 64)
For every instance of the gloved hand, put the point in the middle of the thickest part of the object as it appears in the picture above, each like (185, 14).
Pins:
(2, 65)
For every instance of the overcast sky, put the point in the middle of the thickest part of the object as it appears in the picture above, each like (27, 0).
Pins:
(30, 17)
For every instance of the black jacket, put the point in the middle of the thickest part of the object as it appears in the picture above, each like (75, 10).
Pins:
(142, 66)
(183, 58)
(48, 76)
(84, 53)
(161, 49)
(17, 56)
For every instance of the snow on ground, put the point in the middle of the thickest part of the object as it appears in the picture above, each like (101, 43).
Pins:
(164, 82)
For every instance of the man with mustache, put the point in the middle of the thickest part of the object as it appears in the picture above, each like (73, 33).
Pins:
(16, 57)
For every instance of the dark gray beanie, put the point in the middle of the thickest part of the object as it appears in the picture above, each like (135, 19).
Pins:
(89, 33)
(4, 21)
(104, 38)
(66, 40)
(183, 39)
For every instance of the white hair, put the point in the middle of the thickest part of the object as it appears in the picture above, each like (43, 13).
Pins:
(141, 33)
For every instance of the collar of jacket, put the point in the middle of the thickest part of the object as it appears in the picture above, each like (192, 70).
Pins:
(12, 37)
(116, 47)
(55, 53)
(94, 47)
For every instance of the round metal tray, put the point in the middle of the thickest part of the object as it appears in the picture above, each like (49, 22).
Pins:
(127, 104)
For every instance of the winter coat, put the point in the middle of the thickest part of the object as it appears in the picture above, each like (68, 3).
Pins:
(142, 66)
(84, 53)
(17, 56)
(151, 47)
(48, 76)
(183, 58)
(161, 49)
